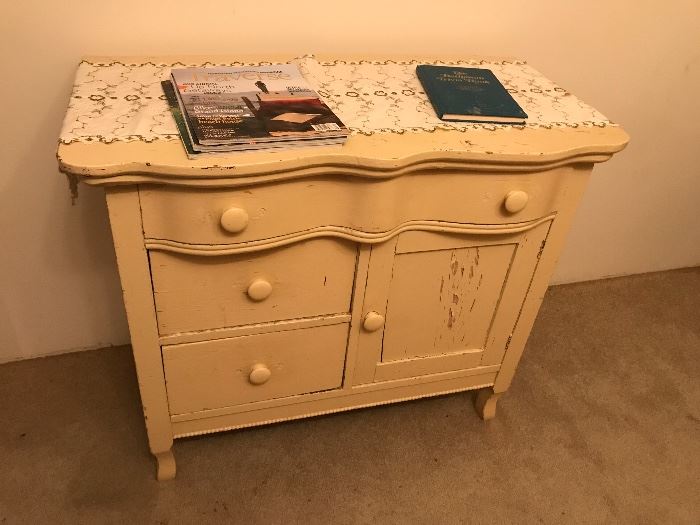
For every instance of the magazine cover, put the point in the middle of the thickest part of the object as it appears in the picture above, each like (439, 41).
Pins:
(235, 105)
(194, 150)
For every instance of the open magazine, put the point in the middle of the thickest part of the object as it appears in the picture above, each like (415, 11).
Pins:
(244, 108)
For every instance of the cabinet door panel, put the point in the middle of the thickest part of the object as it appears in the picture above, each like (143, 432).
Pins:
(449, 302)
(443, 301)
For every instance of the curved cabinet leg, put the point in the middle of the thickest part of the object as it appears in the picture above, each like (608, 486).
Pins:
(485, 404)
(166, 465)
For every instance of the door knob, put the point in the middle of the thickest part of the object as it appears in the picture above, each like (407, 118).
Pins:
(516, 200)
(373, 322)
(234, 220)
(259, 374)
(259, 290)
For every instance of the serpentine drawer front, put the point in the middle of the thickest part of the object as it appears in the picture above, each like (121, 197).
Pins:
(200, 292)
(304, 207)
(267, 286)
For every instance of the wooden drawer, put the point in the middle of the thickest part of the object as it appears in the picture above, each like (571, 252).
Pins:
(309, 278)
(320, 204)
(226, 372)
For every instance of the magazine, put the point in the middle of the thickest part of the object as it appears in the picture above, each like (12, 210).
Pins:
(171, 98)
(239, 108)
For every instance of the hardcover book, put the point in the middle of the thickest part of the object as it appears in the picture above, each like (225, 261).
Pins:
(469, 94)
(237, 108)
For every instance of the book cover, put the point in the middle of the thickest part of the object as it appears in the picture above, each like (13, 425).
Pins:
(239, 105)
(469, 94)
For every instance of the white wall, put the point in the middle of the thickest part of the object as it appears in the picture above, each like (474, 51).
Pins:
(636, 61)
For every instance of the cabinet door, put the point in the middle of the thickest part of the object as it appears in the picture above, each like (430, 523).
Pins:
(438, 302)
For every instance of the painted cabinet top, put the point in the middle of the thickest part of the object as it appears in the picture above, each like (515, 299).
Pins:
(118, 128)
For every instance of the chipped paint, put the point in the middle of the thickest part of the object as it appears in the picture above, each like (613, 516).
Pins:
(73, 187)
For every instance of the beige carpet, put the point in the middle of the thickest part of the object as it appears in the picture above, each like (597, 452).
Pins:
(601, 425)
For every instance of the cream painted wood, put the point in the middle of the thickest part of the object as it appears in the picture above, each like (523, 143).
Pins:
(259, 374)
(302, 282)
(259, 289)
(374, 301)
(335, 401)
(342, 233)
(576, 185)
(482, 371)
(515, 201)
(373, 322)
(375, 157)
(125, 220)
(485, 403)
(252, 329)
(224, 372)
(234, 220)
(431, 364)
(358, 315)
(306, 279)
(440, 295)
(443, 301)
(194, 218)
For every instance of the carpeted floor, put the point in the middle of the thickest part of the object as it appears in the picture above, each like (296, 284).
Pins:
(601, 425)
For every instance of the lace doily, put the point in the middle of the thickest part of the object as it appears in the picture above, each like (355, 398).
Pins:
(124, 101)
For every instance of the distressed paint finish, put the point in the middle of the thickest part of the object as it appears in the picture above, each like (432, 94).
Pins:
(194, 293)
(547, 254)
(443, 301)
(185, 218)
(417, 284)
(267, 323)
(296, 407)
(485, 403)
(127, 231)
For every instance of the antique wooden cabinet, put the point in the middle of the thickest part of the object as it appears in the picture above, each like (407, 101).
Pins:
(261, 287)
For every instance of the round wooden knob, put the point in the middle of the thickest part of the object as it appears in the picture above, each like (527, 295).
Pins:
(259, 374)
(373, 322)
(259, 290)
(234, 220)
(515, 201)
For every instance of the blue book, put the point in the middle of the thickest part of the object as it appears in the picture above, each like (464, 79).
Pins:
(469, 94)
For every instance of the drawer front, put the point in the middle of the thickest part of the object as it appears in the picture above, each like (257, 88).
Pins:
(305, 279)
(227, 372)
(233, 216)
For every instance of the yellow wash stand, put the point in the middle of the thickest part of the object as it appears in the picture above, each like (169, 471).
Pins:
(261, 287)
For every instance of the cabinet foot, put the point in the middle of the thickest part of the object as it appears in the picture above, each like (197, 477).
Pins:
(166, 465)
(485, 403)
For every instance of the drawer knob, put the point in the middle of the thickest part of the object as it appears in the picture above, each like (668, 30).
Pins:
(516, 200)
(373, 322)
(259, 290)
(234, 220)
(259, 374)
